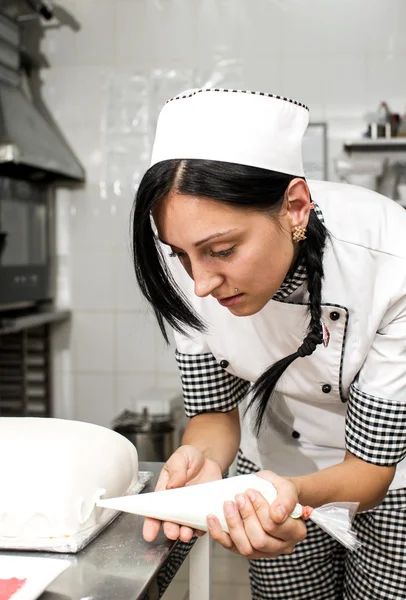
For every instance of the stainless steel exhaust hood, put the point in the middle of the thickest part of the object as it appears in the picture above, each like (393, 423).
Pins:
(28, 141)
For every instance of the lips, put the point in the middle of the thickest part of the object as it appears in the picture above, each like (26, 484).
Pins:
(230, 300)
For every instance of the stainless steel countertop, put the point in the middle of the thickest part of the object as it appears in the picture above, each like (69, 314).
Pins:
(117, 565)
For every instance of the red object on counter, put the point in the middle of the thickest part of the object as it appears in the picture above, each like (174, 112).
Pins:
(8, 587)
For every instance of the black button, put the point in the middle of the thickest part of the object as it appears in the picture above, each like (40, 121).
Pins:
(334, 316)
(326, 388)
(296, 435)
(224, 364)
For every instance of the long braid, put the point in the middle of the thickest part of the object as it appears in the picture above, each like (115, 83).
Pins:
(313, 257)
(312, 253)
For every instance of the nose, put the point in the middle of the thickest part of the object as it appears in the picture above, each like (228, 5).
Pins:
(206, 281)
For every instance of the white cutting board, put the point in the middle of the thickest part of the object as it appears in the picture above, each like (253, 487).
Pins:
(38, 573)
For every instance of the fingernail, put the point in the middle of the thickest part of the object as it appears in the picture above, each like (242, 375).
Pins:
(281, 512)
(240, 500)
(229, 509)
(211, 522)
(251, 495)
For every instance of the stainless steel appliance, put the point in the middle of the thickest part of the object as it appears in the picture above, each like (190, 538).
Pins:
(34, 157)
(152, 435)
(24, 243)
(30, 142)
(157, 425)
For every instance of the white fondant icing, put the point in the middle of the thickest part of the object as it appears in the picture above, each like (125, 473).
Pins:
(53, 472)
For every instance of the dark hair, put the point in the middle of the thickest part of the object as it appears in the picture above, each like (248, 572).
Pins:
(245, 188)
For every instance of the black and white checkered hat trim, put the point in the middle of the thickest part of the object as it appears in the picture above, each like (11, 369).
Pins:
(375, 428)
(191, 93)
(292, 282)
(206, 386)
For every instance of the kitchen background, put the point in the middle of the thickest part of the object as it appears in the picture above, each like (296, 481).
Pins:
(107, 67)
(103, 69)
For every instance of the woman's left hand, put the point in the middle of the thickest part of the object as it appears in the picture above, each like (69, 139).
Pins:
(259, 529)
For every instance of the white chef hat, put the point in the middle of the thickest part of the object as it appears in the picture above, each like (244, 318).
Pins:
(236, 126)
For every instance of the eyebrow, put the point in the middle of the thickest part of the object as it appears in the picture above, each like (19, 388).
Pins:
(212, 237)
(207, 239)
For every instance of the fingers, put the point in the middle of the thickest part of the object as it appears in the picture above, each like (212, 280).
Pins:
(262, 511)
(237, 540)
(150, 529)
(290, 531)
(174, 473)
(186, 533)
(266, 541)
(252, 532)
(171, 530)
(162, 480)
(182, 466)
(218, 534)
(199, 533)
(152, 526)
(287, 496)
(174, 531)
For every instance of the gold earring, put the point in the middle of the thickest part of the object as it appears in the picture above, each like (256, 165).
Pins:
(299, 233)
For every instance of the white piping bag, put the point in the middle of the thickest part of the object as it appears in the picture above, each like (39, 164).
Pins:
(191, 505)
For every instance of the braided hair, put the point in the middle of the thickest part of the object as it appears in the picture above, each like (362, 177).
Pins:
(243, 187)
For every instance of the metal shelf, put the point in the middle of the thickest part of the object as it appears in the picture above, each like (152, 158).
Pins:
(25, 373)
(378, 145)
(13, 325)
(25, 364)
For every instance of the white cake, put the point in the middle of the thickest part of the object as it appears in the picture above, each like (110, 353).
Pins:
(53, 471)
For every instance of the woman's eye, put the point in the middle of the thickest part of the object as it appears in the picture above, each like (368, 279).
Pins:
(219, 254)
(223, 253)
(177, 254)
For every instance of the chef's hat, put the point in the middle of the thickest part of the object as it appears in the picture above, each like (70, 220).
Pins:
(235, 126)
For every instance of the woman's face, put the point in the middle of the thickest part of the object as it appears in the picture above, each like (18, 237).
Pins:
(223, 248)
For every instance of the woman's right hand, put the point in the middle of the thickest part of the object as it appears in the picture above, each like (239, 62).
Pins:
(186, 466)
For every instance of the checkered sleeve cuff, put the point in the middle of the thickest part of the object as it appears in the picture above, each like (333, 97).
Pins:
(206, 386)
(375, 428)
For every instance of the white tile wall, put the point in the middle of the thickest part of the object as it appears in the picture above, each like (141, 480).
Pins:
(341, 57)
(165, 363)
(95, 398)
(262, 32)
(94, 293)
(94, 341)
(133, 34)
(303, 77)
(253, 73)
(129, 386)
(126, 291)
(383, 72)
(135, 342)
(346, 91)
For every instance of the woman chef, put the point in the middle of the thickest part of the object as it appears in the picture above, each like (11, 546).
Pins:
(287, 298)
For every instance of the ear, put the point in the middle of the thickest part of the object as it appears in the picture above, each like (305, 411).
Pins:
(298, 203)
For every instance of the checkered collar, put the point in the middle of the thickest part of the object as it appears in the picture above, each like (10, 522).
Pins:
(295, 279)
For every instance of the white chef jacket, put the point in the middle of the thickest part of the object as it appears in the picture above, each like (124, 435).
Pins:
(348, 395)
